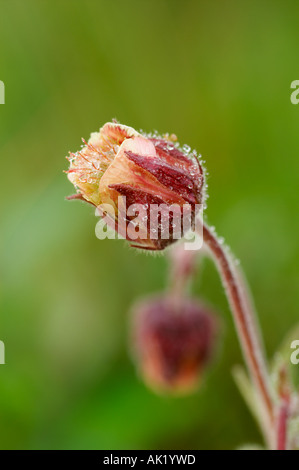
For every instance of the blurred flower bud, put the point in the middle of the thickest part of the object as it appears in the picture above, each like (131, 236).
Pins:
(121, 164)
(173, 342)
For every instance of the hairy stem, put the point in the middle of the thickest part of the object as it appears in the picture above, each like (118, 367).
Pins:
(245, 322)
(282, 419)
(182, 270)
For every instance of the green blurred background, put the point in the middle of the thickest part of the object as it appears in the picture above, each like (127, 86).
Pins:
(218, 75)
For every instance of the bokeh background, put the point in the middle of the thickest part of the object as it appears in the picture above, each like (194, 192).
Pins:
(218, 75)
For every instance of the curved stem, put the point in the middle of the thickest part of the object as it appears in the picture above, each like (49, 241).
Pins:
(245, 321)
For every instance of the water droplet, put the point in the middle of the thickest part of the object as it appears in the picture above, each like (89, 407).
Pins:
(186, 148)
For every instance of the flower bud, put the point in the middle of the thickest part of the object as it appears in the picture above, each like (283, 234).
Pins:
(120, 167)
(173, 342)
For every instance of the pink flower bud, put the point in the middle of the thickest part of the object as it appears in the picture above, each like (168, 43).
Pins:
(173, 342)
(120, 162)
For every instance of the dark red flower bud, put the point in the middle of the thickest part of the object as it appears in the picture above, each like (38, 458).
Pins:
(120, 162)
(173, 342)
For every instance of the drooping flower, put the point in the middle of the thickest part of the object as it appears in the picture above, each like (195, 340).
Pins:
(173, 342)
(119, 167)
